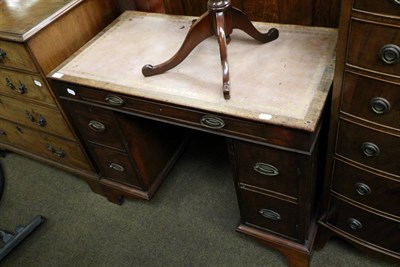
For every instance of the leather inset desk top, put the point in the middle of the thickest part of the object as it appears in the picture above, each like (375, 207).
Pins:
(284, 82)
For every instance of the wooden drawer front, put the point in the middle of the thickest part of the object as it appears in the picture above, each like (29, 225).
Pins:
(41, 118)
(368, 42)
(96, 125)
(368, 188)
(371, 99)
(369, 147)
(269, 213)
(115, 166)
(382, 7)
(269, 168)
(194, 118)
(15, 55)
(23, 85)
(41, 144)
(365, 225)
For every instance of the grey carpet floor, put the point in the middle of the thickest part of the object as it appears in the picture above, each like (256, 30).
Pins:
(190, 221)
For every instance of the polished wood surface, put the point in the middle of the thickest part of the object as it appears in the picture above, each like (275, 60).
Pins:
(135, 125)
(362, 171)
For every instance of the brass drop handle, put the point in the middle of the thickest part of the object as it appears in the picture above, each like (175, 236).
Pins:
(390, 54)
(270, 214)
(362, 189)
(370, 149)
(117, 167)
(266, 169)
(3, 54)
(354, 224)
(41, 121)
(212, 122)
(58, 152)
(114, 100)
(21, 89)
(379, 105)
(97, 126)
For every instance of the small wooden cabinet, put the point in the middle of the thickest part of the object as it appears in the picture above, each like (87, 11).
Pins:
(34, 38)
(362, 192)
(134, 126)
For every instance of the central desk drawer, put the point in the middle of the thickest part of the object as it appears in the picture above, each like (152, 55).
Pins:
(97, 125)
(380, 7)
(269, 168)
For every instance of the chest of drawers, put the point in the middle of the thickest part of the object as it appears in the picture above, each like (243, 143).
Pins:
(34, 38)
(133, 126)
(362, 192)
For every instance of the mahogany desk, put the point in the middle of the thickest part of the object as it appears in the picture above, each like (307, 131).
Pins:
(133, 126)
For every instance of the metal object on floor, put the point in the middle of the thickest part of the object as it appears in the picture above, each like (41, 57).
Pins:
(21, 232)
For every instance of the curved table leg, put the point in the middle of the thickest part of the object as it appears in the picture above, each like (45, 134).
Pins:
(200, 30)
(220, 25)
(241, 22)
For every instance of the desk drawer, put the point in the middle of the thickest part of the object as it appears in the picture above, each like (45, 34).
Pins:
(380, 7)
(115, 166)
(367, 188)
(371, 99)
(369, 147)
(15, 55)
(25, 86)
(269, 213)
(269, 168)
(97, 125)
(31, 115)
(375, 47)
(39, 143)
(368, 226)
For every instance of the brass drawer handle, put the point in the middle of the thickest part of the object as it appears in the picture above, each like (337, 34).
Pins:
(58, 152)
(21, 89)
(212, 122)
(270, 214)
(114, 100)
(354, 224)
(396, 2)
(379, 105)
(41, 121)
(362, 189)
(3, 54)
(390, 54)
(97, 126)
(266, 169)
(3, 132)
(117, 167)
(370, 149)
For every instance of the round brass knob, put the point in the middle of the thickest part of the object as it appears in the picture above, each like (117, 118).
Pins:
(362, 189)
(390, 54)
(370, 149)
(354, 224)
(379, 105)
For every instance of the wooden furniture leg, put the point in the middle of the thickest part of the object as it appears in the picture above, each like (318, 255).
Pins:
(220, 19)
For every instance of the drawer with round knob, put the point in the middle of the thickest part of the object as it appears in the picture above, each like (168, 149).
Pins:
(25, 86)
(96, 124)
(365, 225)
(371, 99)
(369, 147)
(115, 166)
(374, 47)
(269, 213)
(371, 189)
(15, 55)
(379, 7)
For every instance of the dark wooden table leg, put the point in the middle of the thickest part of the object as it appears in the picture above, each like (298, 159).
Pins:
(200, 30)
(222, 41)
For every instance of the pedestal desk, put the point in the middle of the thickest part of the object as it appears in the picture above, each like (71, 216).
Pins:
(133, 126)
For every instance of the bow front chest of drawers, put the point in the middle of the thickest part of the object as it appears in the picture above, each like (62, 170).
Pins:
(363, 175)
(35, 37)
(133, 125)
